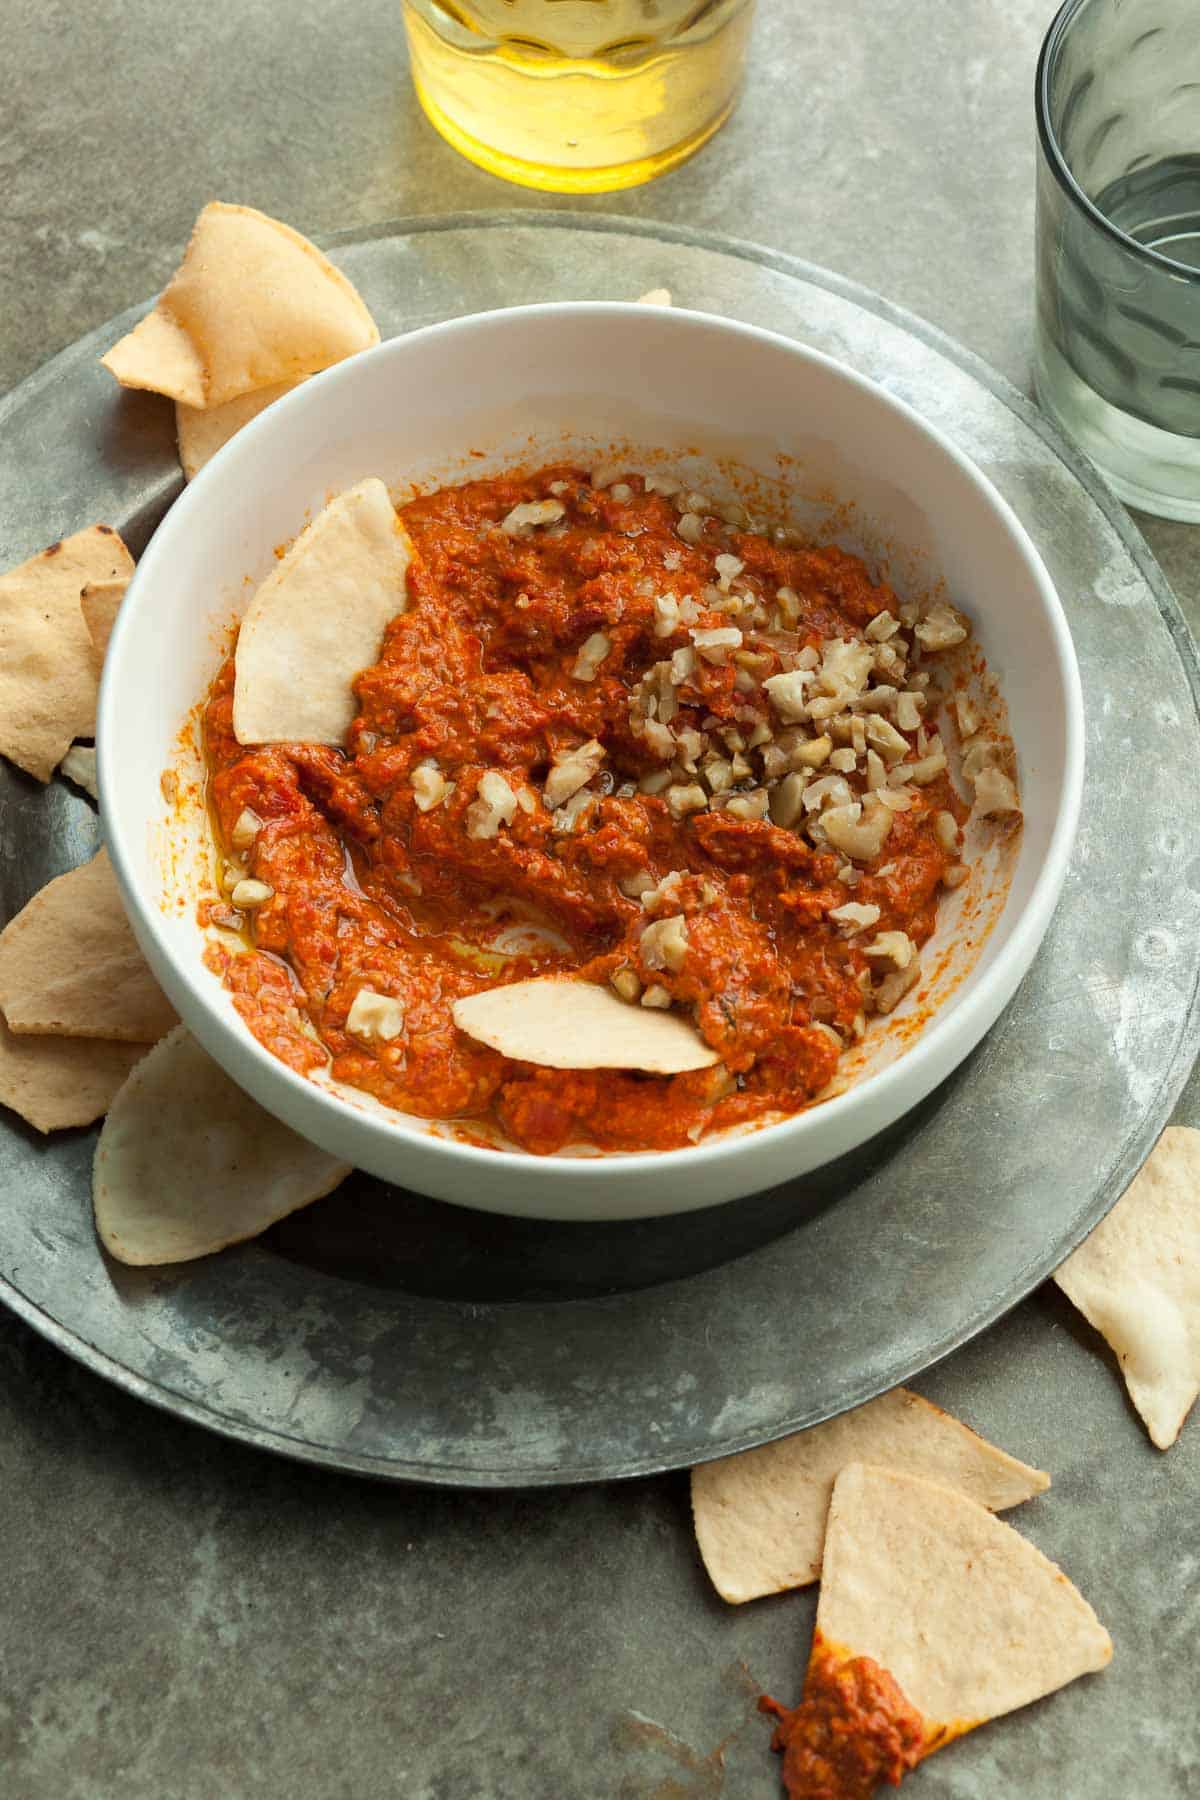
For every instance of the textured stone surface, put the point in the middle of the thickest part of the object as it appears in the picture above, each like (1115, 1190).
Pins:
(183, 1618)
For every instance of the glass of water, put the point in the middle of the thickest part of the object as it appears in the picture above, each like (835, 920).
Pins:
(577, 96)
(1118, 243)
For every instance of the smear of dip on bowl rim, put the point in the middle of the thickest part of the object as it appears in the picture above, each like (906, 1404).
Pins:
(577, 808)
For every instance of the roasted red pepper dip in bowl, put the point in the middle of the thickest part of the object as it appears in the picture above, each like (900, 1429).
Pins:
(703, 714)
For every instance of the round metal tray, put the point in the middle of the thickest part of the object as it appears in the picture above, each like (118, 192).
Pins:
(387, 1334)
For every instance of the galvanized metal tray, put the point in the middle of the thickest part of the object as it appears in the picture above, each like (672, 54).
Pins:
(387, 1334)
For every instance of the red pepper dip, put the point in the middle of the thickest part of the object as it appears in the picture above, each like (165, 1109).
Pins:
(619, 733)
(853, 1730)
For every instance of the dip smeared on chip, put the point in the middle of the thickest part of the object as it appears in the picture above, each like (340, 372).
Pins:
(933, 1618)
(614, 735)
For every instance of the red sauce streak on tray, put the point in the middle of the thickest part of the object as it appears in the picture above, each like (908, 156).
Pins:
(515, 650)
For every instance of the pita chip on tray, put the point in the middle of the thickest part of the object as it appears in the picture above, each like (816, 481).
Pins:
(563, 1024)
(79, 766)
(56, 1082)
(252, 305)
(188, 1164)
(47, 666)
(933, 1618)
(760, 1515)
(99, 602)
(1137, 1280)
(202, 433)
(318, 620)
(70, 966)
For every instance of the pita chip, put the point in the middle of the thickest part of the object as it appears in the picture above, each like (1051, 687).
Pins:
(79, 766)
(202, 433)
(47, 669)
(318, 620)
(70, 966)
(55, 1082)
(99, 602)
(760, 1516)
(563, 1024)
(188, 1164)
(933, 1617)
(252, 304)
(1137, 1280)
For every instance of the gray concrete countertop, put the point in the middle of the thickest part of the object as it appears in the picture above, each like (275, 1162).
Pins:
(184, 1619)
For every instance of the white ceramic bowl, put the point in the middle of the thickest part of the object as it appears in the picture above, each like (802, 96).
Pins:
(727, 405)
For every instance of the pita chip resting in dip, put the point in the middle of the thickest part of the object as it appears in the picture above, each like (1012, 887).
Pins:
(933, 1618)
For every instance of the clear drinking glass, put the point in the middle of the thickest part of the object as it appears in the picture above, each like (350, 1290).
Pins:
(1118, 243)
(578, 96)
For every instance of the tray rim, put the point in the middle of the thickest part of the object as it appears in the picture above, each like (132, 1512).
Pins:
(1131, 1153)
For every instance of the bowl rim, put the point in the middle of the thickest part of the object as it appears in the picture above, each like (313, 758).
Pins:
(942, 1034)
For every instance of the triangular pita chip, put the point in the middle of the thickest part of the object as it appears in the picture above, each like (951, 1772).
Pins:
(933, 1617)
(760, 1516)
(187, 1163)
(563, 1024)
(202, 433)
(318, 620)
(70, 966)
(252, 304)
(55, 1082)
(1137, 1280)
(99, 602)
(79, 766)
(47, 667)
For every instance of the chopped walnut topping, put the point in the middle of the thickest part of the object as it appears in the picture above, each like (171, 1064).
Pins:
(429, 785)
(591, 654)
(908, 711)
(662, 484)
(665, 943)
(967, 716)
(522, 519)
(571, 771)
(636, 885)
(876, 773)
(955, 875)
(788, 602)
(666, 615)
(927, 769)
(621, 492)
(882, 627)
(893, 947)
(787, 801)
(683, 799)
(857, 830)
(829, 790)
(977, 753)
(941, 628)
(626, 984)
(656, 996)
(844, 761)
(812, 752)
(246, 894)
(246, 829)
(718, 773)
(496, 805)
(727, 567)
(883, 737)
(945, 829)
(994, 793)
(714, 644)
(691, 530)
(893, 987)
(748, 806)
(855, 913)
(567, 816)
(787, 694)
(376, 1017)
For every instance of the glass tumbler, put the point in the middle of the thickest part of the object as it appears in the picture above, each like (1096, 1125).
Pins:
(577, 96)
(1117, 356)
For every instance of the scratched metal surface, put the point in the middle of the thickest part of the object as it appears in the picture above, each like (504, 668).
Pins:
(384, 1333)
